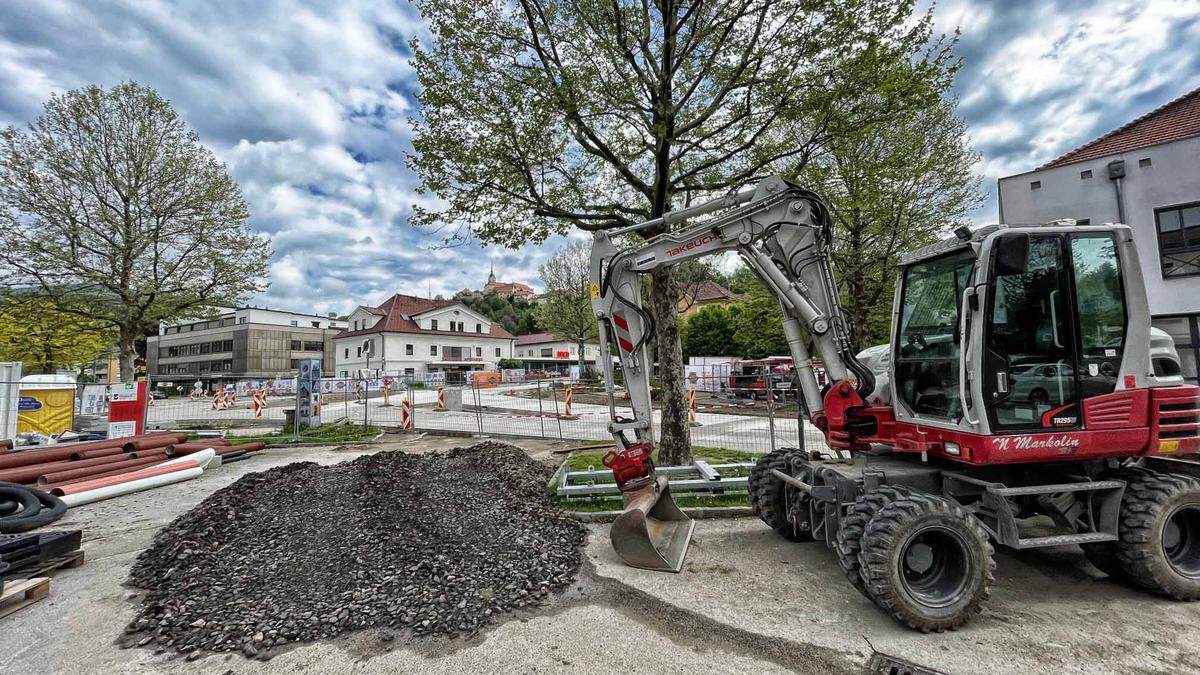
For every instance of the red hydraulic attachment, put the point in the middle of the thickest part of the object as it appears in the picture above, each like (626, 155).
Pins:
(632, 467)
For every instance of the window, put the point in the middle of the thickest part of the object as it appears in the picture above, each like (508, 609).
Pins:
(316, 324)
(408, 350)
(478, 352)
(410, 371)
(296, 345)
(433, 350)
(433, 324)
(1083, 221)
(356, 324)
(241, 319)
(1035, 185)
(1144, 162)
(1029, 364)
(547, 351)
(358, 352)
(478, 328)
(206, 348)
(295, 323)
(1100, 299)
(927, 350)
(497, 351)
(310, 346)
(1179, 240)
(1084, 175)
(347, 354)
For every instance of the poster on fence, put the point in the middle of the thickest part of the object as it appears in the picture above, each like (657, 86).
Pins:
(94, 400)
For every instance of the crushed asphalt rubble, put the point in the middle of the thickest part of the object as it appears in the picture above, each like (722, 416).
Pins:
(440, 544)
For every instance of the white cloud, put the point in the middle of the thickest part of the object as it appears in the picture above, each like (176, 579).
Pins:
(308, 102)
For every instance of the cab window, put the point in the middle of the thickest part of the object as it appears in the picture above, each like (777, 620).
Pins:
(928, 346)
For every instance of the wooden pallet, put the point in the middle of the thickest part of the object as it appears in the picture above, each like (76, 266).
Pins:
(67, 560)
(18, 594)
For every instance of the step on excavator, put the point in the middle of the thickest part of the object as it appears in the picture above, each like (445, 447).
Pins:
(1023, 401)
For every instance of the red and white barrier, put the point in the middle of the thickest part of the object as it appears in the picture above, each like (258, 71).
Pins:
(441, 400)
(692, 408)
(406, 420)
(259, 400)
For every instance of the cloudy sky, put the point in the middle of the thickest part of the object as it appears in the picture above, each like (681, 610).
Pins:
(308, 104)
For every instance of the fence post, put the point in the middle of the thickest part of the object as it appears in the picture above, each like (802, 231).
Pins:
(478, 405)
(557, 417)
(296, 412)
(771, 412)
(366, 400)
(541, 413)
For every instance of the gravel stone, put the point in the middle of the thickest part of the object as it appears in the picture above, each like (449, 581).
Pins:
(443, 544)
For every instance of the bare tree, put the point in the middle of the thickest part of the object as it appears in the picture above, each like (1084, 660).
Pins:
(567, 310)
(540, 115)
(112, 209)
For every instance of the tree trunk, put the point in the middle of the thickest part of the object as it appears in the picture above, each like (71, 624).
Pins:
(582, 362)
(127, 342)
(674, 445)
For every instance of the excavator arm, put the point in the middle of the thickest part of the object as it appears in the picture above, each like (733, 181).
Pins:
(783, 233)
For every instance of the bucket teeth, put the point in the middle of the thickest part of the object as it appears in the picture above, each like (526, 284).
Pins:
(652, 533)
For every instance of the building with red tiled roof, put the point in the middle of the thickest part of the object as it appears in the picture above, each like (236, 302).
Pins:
(507, 288)
(412, 336)
(705, 293)
(1146, 174)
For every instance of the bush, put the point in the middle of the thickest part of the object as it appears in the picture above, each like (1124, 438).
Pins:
(510, 364)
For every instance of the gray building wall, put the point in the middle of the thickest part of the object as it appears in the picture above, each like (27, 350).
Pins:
(1172, 178)
(254, 350)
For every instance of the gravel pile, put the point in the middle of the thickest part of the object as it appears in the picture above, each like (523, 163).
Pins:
(441, 544)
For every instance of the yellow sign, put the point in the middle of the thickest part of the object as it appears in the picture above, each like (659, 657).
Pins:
(1168, 446)
(595, 291)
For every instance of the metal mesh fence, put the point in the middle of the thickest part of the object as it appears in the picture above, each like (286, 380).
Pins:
(726, 414)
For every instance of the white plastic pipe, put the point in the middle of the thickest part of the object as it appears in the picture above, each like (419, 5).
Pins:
(203, 457)
(132, 486)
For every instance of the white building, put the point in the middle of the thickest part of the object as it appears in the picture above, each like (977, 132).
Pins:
(416, 336)
(543, 351)
(1145, 174)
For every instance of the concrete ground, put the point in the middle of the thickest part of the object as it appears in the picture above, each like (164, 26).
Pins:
(746, 601)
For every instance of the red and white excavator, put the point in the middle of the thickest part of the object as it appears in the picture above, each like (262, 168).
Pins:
(1024, 401)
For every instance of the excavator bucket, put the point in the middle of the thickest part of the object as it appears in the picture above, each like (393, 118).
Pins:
(652, 533)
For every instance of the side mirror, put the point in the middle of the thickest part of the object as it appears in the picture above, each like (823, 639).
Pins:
(1012, 254)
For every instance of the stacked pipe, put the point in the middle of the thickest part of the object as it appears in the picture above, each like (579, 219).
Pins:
(102, 465)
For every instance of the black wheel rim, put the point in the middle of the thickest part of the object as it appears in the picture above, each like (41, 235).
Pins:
(935, 566)
(1181, 540)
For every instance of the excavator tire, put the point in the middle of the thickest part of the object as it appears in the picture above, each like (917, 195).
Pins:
(767, 494)
(927, 562)
(851, 527)
(1158, 543)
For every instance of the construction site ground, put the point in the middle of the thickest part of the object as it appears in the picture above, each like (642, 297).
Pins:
(746, 601)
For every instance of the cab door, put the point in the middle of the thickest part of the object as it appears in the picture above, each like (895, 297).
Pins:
(1030, 355)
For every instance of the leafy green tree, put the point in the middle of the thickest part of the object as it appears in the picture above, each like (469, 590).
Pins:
(567, 309)
(112, 209)
(540, 115)
(709, 332)
(895, 186)
(517, 315)
(44, 339)
(758, 326)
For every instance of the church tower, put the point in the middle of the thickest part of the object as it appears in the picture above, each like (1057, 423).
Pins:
(492, 275)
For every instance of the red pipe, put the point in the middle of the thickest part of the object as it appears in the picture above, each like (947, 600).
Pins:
(6, 444)
(156, 441)
(247, 447)
(84, 486)
(49, 478)
(25, 474)
(82, 450)
(192, 446)
(100, 452)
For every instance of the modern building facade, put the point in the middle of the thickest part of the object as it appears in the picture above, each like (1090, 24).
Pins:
(413, 336)
(247, 342)
(1145, 174)
(550, 353)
